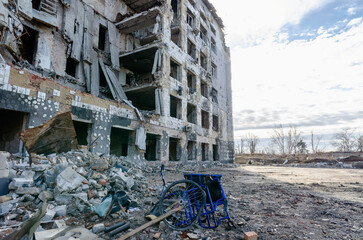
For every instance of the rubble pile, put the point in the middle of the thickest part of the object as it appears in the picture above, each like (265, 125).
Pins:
(72, 184)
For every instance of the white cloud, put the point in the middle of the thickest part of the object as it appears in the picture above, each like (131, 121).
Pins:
(248, 20)
(315, 83)
(302, 80)
(352, 10)
(354, 21)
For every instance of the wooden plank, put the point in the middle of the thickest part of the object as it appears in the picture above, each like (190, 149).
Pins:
(146, 225)
(114, 48)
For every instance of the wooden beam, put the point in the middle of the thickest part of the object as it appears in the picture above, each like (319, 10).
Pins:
(146, 225)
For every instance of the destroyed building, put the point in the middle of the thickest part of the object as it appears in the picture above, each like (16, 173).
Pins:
(145, 79)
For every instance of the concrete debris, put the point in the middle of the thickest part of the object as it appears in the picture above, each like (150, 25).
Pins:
(68, 180)
(98, 228)
(55, 136)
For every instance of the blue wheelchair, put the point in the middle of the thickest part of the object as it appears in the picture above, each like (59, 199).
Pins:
(199, 196)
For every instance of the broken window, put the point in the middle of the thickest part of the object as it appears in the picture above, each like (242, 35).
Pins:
(103, 81)
(175, 107)
(191, 113)
(139, 66)
(36, 4)
(205, 119)
(191, 148)
(215, 123)
(203, 34)
(175, 36)
(29, 42)
(191, 49)
(192, 85)
(203, 17)
(174, 149)
(190, 18)
(214, 95)
(72, 67)
(215, 152)
(175, 7)
(82, 131)
(152, 152)
(213, 45)
(11, 124)
(142, 98)
(192, 2)
(174, 70)
(213, 30)
(204, 151)
(102, 38)
(204, 89)
(214, 70)
(119, 141)
(203, 61)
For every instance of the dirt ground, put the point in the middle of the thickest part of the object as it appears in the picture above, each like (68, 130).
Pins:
(283, 203)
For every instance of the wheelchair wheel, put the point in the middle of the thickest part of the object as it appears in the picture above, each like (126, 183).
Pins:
(187, 194)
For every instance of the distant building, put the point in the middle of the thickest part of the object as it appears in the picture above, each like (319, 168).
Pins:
(145, 79)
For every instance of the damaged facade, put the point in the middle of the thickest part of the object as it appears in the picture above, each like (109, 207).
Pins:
(145, 79)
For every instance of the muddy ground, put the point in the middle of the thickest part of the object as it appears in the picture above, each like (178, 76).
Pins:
(281, 203)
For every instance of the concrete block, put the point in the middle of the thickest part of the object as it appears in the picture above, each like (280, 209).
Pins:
(250, 236)
(48, 215)
(98, 228)
(48, 234)
(68, 180)
(4, 167)
(60, 210)
(23, 182)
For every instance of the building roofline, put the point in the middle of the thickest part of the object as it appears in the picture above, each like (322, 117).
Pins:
(213, 11)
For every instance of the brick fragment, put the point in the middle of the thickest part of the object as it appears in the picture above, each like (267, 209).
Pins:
(250, 236)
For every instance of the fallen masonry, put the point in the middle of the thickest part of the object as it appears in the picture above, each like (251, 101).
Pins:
(73, 189)
(271, 208)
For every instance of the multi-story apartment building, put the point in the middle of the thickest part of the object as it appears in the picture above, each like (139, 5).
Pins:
(145, 79)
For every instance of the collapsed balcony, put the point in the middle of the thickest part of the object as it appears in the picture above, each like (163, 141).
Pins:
(139, 69)
(142, 5)
(144, 27)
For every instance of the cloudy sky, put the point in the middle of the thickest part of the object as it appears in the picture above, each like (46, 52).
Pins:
(297, 62)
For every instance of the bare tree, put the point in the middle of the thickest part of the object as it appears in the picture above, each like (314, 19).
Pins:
(278, 138)
(360, 143)
(292, 138)
(270, 148)
(315, 142)
(252, 141)
(345, 140)
(242, 145)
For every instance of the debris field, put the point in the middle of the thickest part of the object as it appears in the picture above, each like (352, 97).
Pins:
(73, 184)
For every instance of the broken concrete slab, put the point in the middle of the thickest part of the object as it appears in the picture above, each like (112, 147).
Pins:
(46, 196)
(68, 180)
(60, 210)
(139, 21)
(55, 136)
(34, 191)
(48, 234)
